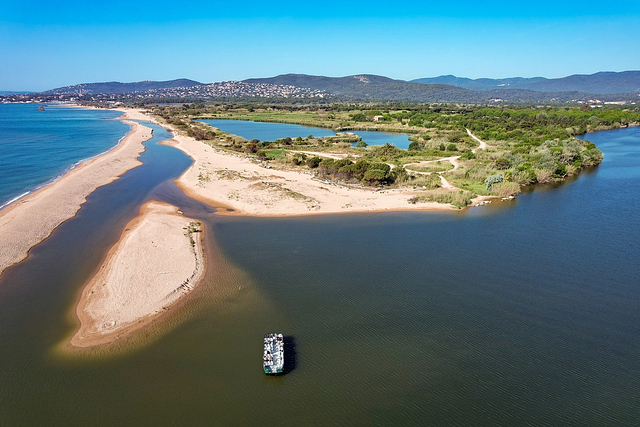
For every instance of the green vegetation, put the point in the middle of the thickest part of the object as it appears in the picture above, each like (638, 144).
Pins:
(526, 145)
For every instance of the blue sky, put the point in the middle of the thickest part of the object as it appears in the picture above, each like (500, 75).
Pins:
(48, 44)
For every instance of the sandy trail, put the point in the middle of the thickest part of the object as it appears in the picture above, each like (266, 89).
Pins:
(30, 220)
(483, 145)
(158, 259)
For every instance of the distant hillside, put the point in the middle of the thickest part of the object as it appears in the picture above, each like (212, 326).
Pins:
(362, 87)
(366, 86)
(598, 83)
(378, 88)
(604, 82)
(117, 87)
(14, 92)
(480, 84)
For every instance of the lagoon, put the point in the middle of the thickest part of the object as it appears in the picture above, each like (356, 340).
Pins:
(271, 131)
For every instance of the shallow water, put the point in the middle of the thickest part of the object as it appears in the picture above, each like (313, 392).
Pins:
(522, 312)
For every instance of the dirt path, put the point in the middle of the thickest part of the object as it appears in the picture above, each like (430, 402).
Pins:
(483, 145)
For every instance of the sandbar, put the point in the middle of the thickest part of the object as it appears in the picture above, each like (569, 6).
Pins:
(158, 259)
(30, 220)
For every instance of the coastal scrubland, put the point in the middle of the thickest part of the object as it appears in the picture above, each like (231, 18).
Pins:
(479, 150)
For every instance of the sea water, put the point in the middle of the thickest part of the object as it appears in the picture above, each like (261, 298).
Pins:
(517, 313)
(37, 147)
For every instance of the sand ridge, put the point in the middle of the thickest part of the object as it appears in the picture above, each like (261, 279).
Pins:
(158, 259)
(30, 220)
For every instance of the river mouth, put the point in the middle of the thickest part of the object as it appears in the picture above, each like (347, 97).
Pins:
(527, 313)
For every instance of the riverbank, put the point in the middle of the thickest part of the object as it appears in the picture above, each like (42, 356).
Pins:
(31, 219)
(158, 259)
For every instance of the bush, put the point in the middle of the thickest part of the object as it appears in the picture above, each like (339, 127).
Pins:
(493, 179)
(543, 176)
(452, 147)
(313, 162)
(374, 176)
(458, 199)
(361, 144)
(561, 170)
(502, 163)
(505, 189)
(414, 146)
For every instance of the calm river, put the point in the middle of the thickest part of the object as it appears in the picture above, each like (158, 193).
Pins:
(519, 313)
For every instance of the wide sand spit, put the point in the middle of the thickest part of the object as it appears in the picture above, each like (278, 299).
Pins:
(158, 259)
(249, 187)
(30, 220)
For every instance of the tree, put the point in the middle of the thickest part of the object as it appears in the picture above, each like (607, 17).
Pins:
(414, 146)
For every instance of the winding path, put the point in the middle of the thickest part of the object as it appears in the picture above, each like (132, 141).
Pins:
(483, 145)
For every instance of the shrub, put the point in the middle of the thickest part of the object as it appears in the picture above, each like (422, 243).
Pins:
(493, 179)
(502, 163)
(313, 162)
(458, 199)
(561, 170)
(361, 144)
(452, 147)
(543, 176)
(414, 146)
(374, 176)
(505, 189)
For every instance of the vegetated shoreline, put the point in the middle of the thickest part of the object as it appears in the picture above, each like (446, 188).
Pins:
(158, 259)
(29, 220)
(247, 187)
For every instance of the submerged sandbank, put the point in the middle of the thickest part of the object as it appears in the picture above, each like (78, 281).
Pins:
(31, 219)
(158, 259)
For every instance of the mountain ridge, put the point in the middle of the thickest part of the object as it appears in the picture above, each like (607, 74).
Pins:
(118, 87)
(603, 82)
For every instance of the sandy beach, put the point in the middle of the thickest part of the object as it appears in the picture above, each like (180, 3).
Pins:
(158, 259)
(30, 220)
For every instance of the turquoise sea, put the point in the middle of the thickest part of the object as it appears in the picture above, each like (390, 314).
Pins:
(517, 313)
(37, 147)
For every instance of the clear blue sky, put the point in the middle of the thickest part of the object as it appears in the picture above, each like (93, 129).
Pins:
(47, 44)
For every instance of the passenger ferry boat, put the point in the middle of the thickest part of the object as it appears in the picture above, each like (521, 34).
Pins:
(273, 355)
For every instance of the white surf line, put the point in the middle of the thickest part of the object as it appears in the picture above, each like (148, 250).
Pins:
(483, 145)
